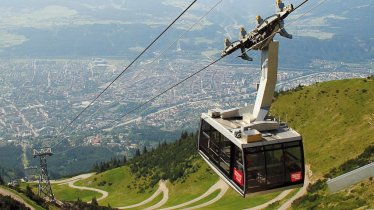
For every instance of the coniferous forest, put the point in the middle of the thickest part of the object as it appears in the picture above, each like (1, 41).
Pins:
(168, 161)
(6, 202)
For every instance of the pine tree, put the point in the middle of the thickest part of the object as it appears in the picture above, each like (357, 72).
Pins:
(184, 135)
(106, 166)
(96, 167)
(94, 201)
(145, 149)
(137, 153)
(29, 193)
(124, 160)
(115, 163)
(1, 181)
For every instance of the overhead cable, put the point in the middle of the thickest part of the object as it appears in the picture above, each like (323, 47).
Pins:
(179, 38)
(123, 71)
(207, 66)
(186, 31)
(202, 69)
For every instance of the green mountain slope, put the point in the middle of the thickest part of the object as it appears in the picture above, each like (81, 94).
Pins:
(121, 185)
(357, 196)
(188, 178)
(336, 120)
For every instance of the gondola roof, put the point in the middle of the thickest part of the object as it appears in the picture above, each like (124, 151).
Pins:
(228, 126)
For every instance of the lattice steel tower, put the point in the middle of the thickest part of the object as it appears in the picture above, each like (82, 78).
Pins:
(44, 184)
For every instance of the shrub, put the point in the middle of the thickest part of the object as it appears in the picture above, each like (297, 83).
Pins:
(312, 197)
(7, 202)
(168, 161)
(102, 183)
(319, 185)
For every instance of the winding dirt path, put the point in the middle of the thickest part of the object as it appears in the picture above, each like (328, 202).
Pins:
(164, 199)
(220, 185)
(281, 196)
(103, 193)
(161, 189)
(278, 198)
(300, 193)
(75, 178)
(70, 182)
(6, 192)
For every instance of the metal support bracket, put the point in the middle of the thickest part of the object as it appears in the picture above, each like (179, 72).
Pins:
(269, 70)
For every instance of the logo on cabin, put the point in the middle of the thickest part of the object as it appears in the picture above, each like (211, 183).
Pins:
(238, 177)
(296, 176)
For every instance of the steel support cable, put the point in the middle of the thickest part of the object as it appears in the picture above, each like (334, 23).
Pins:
(160, 94)
(210, 64)
(165, 50)
(302, 3)
(186, 31)
(177, 84)
(123, 71)
(170, 88)
(302, 15)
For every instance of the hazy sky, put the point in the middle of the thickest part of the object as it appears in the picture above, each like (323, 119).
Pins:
(333, 17)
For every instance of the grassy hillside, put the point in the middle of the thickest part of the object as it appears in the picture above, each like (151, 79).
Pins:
(7, 202)
(167, 162)
(336, 120)
(232, 200)
(25, 198)
(188, 177)
(356, 196)
(65, 193)
(191, 186)
(121, 186)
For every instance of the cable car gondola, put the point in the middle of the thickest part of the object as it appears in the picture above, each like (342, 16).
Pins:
(252, 160)
(247, 148)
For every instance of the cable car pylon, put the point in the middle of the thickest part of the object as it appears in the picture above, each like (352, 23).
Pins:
(249, 149)
(44, 185)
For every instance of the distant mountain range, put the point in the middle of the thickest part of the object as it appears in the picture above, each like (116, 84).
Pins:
(336, 30)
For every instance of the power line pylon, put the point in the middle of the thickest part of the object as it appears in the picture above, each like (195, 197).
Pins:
(44, 184)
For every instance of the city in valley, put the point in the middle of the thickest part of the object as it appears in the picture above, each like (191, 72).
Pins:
(40, 96)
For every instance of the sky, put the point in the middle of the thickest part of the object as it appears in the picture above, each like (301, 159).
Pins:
(23, 20)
